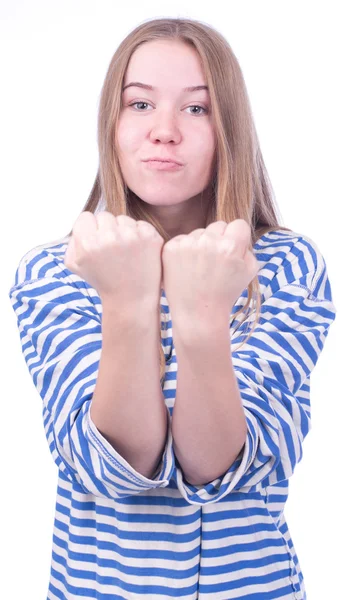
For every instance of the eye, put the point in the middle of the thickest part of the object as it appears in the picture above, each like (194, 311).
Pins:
(198, 106)
(139, 102)
(193, 106)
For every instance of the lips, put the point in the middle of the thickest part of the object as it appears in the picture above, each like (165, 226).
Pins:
(162, 165)
(168, 160)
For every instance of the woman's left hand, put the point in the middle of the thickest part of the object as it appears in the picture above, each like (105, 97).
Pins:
(205, 272)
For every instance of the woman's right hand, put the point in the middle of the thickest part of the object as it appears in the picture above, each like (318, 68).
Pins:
(118, 256)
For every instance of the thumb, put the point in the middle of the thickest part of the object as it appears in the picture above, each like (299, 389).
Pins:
(70, 255)
(252, 263)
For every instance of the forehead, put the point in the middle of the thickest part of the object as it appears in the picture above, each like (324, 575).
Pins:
(165, 63)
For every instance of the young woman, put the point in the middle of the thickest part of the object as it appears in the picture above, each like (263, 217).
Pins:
(173, 474)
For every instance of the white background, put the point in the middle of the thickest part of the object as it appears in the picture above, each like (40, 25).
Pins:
(295, 56)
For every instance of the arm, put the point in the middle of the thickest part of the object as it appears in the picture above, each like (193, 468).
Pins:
(208, 424)
(272, 370)
(128, 406)
(59, 320)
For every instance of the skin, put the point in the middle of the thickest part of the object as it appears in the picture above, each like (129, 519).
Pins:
(204, 268)
(167, 123)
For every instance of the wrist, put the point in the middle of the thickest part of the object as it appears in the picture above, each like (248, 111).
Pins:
(199, 330)
(141, 314)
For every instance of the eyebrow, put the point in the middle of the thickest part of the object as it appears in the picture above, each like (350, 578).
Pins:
(192, 88)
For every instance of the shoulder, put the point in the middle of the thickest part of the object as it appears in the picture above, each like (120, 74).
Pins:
(46, 260)
(289, 257)
(45, 263)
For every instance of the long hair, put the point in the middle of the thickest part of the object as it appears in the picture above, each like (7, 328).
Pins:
(241, 188)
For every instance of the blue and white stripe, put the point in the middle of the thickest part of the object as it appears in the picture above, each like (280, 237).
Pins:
(119, 535)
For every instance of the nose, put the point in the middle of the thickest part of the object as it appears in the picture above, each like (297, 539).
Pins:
(165, 127)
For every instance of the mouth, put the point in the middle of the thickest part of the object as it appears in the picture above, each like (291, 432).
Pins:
(168, 160)
(163, 165)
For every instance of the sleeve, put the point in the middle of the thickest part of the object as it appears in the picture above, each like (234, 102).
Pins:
(61, 339)
(273, 372)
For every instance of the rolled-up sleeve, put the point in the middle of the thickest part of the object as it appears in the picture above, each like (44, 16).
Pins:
(61, 339)
(273, 371)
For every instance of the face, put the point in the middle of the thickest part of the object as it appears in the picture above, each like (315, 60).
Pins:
(165, 122)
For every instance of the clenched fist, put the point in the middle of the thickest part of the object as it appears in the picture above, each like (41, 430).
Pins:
(206, 271)
(118, 256)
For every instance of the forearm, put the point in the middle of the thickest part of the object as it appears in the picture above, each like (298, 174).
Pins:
(128, 406)
(208, 422)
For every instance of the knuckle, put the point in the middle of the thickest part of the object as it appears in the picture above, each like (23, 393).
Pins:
(170, 247)
(124, 220)
(145, 225)
(104, 216)
(147, 231)
(107, 238)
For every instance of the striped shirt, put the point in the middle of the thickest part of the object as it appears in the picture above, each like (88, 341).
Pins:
(119, 535)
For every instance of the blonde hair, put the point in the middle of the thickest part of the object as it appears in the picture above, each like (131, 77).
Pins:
(241, 188)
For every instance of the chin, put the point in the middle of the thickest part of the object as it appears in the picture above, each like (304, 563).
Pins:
(163, 198)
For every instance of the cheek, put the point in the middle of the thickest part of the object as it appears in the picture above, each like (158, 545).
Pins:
(127, 136)
(203, 142)
(204, 152)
